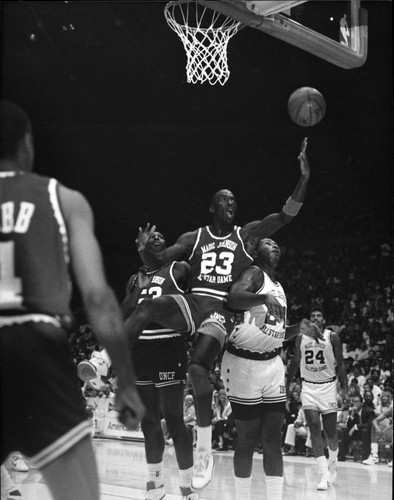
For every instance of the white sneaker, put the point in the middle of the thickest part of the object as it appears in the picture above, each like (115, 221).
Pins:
(18, 464)
(390, 464)
(332, 468)
(325, 482)
(371, 460)
(202, 470)
(94, 371)
(188, 494)
(153, 493)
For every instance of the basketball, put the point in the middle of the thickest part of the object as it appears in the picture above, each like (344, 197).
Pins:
(306, 106)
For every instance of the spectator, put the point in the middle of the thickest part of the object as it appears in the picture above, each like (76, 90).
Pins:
(358, 427)
(222, 411)
(293, 405)
(298, 429)
(189, 416)
(376, 391)
(382, 428)
(342, 417)
(356, 374)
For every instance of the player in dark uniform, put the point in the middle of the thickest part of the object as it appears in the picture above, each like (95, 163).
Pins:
(45, 228)
(218, 254)
(160, 360)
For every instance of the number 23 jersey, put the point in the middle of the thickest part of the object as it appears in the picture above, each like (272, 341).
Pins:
(217, 262)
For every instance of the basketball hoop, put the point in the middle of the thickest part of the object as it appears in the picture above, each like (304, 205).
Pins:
(205, 34)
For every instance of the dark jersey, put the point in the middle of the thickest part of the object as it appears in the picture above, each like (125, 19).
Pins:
(34, 254)
(152, 284)
(217, 262)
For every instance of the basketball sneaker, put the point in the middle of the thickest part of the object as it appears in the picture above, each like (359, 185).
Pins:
(188, 494)
(94, 371)
(325, 482)
(332, 468)
(202, 470)
(18, 464)
(371, 460)
(153, 493)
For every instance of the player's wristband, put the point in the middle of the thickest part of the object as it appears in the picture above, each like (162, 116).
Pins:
(291, 207)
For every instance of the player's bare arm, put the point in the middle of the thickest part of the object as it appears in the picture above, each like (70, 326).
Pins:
(182, 247)
(100, 302)
(242, 294)
(294, 364)
(182, 272)
(252, 232)
(341, 368)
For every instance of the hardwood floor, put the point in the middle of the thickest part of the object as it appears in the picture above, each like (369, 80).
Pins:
(123, 475)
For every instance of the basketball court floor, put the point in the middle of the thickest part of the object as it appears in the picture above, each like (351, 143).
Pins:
(123, 475)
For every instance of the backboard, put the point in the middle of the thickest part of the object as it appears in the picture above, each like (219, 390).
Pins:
(336, 31)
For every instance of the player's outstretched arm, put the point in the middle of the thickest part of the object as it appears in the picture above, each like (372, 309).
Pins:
(254, 231)
(181, 248)
(99, 300)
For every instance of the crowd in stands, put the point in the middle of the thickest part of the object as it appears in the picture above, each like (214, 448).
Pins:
(354, 285)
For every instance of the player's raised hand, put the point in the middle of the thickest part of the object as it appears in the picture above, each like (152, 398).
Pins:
(129, 406)
(303, 159)
(310, 329)
(143, 236)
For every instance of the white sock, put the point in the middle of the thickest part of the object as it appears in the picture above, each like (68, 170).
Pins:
(374, 449)
(274, 487)
(322, 466)
(204, 439)
(242, 487)
(155, 473)
(185, 477)
(332, 455)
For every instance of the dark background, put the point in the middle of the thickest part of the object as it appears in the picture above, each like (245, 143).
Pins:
(115, 118)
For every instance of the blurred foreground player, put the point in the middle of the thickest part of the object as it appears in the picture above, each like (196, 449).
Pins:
(46, 227)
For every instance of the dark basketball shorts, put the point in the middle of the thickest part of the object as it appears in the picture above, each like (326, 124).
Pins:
(42, 407)
(206, 315)
(160, 362)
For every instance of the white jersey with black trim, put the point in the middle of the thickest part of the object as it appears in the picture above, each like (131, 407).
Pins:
(318, 361)
(263, 328)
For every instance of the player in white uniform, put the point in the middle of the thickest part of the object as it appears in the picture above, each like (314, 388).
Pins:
(320, 363)
(253, 372)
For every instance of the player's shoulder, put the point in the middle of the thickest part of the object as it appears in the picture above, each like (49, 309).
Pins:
(73, 201)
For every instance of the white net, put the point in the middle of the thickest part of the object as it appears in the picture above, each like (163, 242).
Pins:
(205, 35)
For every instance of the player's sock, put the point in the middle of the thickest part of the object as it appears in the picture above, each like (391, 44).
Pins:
(274, 487)
(322, 465)
(204, 439)
(332, 455)
(185, 477)
(374, 449)
(242, 487)
(155, 473)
